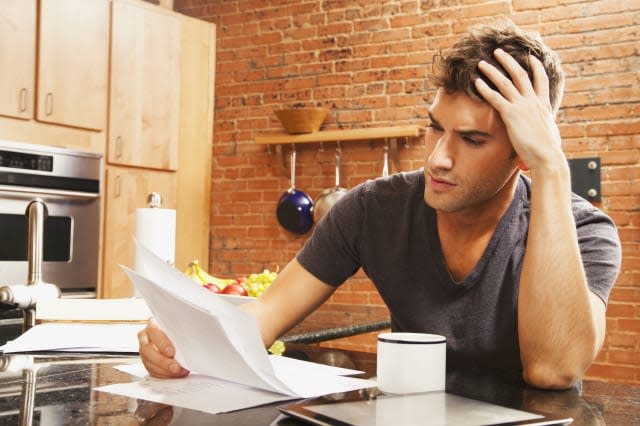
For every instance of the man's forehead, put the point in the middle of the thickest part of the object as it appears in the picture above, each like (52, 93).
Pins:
(463, 110)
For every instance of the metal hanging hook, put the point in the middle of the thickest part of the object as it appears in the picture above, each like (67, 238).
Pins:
(293, 165)
(385, 166)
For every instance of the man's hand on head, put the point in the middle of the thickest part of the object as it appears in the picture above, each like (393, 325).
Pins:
(525, 109)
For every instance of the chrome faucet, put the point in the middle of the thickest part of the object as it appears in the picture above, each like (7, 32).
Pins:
(27, 296)
(36, 212)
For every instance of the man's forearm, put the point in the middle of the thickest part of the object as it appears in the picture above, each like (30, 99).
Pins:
(559, 337)
(293, 295)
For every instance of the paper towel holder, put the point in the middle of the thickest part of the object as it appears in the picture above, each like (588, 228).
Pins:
(154, 200)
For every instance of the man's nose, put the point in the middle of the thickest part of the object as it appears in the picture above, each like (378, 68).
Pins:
(442, 154)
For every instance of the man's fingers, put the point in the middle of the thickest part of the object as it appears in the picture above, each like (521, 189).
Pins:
(159, 365)
(504, 85)
(519, 76)
(492, 97)
(159, 338)
(156, 352)
(540, 80)
(517, 86)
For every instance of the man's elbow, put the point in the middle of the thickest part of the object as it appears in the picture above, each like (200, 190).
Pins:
(545, 376)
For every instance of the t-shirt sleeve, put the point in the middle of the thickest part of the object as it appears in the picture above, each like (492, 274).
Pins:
(600, 250)
(331, 253)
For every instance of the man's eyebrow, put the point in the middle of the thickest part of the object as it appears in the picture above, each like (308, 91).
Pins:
(473, 133)
(465, 133)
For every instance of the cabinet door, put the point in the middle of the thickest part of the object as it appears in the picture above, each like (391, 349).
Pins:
(73, 62)
(145, 86)
(196, 136)
(127, 190)
(17, 57)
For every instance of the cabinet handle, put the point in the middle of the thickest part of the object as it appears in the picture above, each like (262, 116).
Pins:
(23, 100)
(118, 146)
(117, 191)
(48, 106)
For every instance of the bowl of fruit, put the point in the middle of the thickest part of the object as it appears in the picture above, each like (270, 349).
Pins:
(234, 290)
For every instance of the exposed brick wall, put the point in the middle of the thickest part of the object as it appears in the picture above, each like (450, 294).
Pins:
(367, 61)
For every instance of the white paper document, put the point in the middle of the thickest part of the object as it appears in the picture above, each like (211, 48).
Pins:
(222, 347)
(281, 364)
(125, 310)
(196, 392)
(77, 337)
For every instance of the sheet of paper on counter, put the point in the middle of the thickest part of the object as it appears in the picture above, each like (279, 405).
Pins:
(281, 364)
(219, 344)
(196, 392)
(210, 395)
(77, 337)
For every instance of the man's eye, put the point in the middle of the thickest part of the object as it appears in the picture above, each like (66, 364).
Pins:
(434, 126)
(473, 142)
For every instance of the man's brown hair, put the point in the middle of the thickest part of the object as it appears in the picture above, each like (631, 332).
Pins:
(457, 69)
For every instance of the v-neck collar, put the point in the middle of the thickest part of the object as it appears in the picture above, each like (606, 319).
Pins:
(478, 269)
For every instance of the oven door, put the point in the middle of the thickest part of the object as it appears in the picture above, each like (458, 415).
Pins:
(70, 238)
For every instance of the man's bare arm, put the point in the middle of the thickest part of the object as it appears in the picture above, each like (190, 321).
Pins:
(293, 295)
(560, 322)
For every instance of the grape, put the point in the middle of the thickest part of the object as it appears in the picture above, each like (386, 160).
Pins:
(256, 284)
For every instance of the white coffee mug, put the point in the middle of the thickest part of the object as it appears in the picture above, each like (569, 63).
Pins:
(411, 362)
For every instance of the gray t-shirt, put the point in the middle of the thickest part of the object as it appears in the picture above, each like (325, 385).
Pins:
(385, 227)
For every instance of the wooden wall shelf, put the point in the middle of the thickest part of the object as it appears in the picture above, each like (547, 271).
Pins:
(341, 135)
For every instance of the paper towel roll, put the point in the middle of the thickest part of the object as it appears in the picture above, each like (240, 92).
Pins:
(156, 230)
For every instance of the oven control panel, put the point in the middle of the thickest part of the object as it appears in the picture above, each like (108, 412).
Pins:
(21, 160)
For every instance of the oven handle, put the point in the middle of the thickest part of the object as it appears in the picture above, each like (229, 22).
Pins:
(61, 192)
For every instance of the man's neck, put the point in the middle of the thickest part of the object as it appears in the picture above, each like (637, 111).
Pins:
(464, 235)
(477, 221)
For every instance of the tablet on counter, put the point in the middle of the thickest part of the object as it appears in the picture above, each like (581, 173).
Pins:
(437, 408)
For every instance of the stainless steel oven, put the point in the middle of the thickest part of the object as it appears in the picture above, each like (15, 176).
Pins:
(68, 183)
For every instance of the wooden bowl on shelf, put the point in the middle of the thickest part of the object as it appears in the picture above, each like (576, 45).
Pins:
(302, 120)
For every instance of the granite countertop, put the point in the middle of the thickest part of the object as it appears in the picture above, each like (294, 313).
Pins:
(65, 384)
(64, 391)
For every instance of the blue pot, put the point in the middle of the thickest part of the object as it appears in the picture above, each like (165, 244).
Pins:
(295, 211)
(295, 208)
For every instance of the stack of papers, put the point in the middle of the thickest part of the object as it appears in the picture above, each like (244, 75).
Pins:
(77, 337)
(222, 347)
(84, 325)
(92, 310)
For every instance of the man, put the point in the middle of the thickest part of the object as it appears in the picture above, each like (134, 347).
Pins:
(514, 271)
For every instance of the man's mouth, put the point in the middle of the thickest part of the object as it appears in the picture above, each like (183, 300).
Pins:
(439, 183)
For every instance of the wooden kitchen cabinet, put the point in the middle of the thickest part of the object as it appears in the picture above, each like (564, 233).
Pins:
(17, 57)
(196, 141)
(145, 86)
(127, 189)
(188, 189)
(72, 63)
